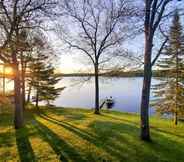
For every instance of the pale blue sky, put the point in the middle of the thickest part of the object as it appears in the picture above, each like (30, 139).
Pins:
(73, 61)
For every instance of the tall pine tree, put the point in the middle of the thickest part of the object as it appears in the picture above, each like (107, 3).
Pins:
(169, 92)
(44, 80)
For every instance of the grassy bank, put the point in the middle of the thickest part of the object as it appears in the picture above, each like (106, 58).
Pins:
(79, 135)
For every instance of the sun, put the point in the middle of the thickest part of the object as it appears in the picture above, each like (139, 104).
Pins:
(8, 71)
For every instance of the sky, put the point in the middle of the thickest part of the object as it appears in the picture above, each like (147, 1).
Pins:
(70, 61)
(73, 62)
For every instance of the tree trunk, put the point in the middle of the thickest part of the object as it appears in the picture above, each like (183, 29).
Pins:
(23, 84)
(176, 118)
(145, 132)
(4, 81)
(29, 94)
(23, 91)
(96, 90)
(37, 100)
(177, 90)
(18, 119)
(48, 102)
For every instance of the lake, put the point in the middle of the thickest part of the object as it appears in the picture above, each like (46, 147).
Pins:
(80, 92)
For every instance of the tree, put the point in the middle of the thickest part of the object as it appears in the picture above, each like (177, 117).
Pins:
(15, 16)
(44, 80)
(155, 12)
(25, 49)
(48, 91)
(101, 26)
(169, 92)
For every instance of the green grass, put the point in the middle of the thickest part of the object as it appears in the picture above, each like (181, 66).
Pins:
(78, 135)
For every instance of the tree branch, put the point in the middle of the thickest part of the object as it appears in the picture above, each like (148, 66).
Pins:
(160, 51)
(81, 49)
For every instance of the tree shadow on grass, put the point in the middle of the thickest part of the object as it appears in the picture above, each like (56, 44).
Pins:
(67, 126)
(168, 132)
(25, 150)
(152, 127)
(121, 140)
(120, 119)
(64, 150)
(73, 115)
(7, 134)
(6, 139)
(100, 140)
(162, 148)
(6, 120)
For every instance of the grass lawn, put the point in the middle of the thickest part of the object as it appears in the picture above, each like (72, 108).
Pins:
(77, 135)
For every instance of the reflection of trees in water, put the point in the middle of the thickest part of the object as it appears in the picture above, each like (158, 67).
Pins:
(109, 80)
(79, 82)
(122, 89)
(106, 84)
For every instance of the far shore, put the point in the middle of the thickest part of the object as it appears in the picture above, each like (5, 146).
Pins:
(138, 73)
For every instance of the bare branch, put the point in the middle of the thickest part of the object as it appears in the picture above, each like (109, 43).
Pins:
(159, 51)
(82, 49)
(159, 17)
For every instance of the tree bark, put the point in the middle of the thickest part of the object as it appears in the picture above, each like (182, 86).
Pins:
(23, 91)
(145, 132)
(176, 118)
(23, 68)
(4, 81)
(177, 90)
(96, 90)
(37, 100)
(29, 94)
(18, 119)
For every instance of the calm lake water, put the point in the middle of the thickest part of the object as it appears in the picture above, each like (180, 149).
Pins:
(79, 92)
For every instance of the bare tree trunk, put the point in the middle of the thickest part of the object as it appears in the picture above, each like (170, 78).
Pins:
(23, 82)
(176, 118)
(37, 100)
(23, 91)
(29, 94)
(18, 119)
(96, 90)
(177, 89)
(154, 11)
(48, 103)
(4, 81)
(145, 132)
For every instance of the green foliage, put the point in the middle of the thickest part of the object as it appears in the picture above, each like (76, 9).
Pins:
(169, 92)
(44, 80)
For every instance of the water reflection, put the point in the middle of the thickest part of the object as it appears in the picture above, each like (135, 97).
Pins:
(80, 92)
